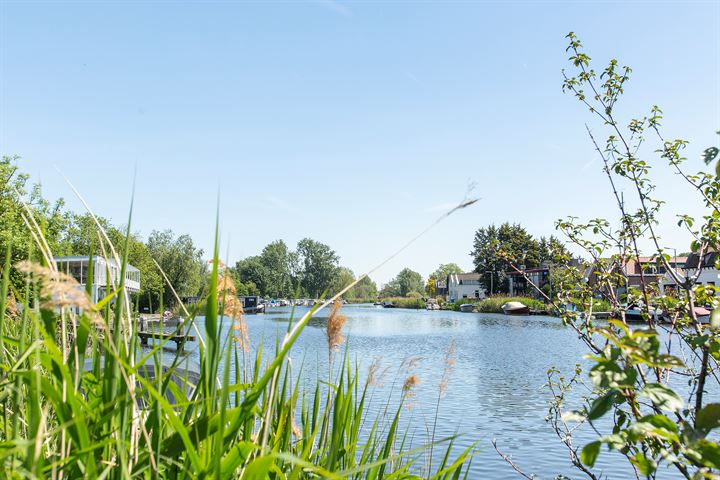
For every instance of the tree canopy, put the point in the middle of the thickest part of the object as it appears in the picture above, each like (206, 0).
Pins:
(406, 282)
(494, 247)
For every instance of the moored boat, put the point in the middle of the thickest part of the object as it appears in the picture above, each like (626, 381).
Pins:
(515, 308)
(467, 307)
(252, 304)
(432, 305)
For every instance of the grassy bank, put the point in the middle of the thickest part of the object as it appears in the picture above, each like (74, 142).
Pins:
(494, 304)
(242, 415)
(406, 302)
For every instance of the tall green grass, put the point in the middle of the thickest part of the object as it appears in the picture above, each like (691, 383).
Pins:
(494, 304)
(62, 420)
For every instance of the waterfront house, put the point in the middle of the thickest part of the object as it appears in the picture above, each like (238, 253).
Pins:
(106, 273)
(704, 267)
(441, 289)
(518, 283)
(633, 271)
(464, 285)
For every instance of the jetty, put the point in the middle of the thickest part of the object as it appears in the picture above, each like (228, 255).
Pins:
(178, 338)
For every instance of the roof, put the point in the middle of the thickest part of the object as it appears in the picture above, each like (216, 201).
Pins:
(466, 276)
(81, 258)
(708, 260)
(528, 270)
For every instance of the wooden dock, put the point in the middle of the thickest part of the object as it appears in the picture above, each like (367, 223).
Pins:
(178, 338)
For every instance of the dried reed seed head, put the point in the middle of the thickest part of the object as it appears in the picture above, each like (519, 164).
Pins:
(372, 371)
(11, 305)
(335, 323)
(58, 289)
(297, 433)
(411, 382)
(411, 362)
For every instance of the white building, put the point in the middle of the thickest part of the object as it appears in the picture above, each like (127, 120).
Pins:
(464, 285)
(78, 266)
(708, 273)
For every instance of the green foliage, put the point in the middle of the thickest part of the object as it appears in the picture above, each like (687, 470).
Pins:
(494, 247)
(319, 265)
(181, 261)
(650, 423)
(364, 291)
(494, 304)
(441, 273)
(242, 417)
(414, 303)
(405, 282)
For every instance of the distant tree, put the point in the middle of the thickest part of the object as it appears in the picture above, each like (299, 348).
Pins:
(319, 265)
(51, 218)
(343, 277)
(405, 282)
(251, 270)
(441, 273)
(493, 247)
(552, 250)
(391, 289)
(365, 290)
(276, 259)
(180, 260)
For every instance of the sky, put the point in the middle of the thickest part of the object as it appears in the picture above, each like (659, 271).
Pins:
(357, 124)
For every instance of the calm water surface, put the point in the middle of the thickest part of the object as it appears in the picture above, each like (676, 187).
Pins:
(496, 389)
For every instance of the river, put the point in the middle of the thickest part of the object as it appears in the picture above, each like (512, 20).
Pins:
(496, 389)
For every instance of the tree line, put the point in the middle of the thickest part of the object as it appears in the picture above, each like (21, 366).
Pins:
(310, 270)
(277, 272)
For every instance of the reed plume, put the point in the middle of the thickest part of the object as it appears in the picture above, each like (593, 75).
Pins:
(335, 323)
(449, 362)
(234, 309)
(58, 289)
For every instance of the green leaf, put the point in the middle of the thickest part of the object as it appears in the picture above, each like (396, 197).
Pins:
(709, 453)
(715, 318)
(601, 405)
(709, 417)
(645, 465)
(662, 396)
(590, 453)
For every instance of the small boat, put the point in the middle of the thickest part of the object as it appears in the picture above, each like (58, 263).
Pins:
(515, 308)
(432, 305)
(634, 313)
(467, 307)
(378, 304)
(252, 304)
(389, 305)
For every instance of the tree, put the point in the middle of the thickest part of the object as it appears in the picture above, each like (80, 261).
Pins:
(365, 290)
(441, 273)
(251, 270)
(180, 260)
(493, 247)
(343, 277)
(14, 234)
(319, 264)
(276, 260)
(405, 282)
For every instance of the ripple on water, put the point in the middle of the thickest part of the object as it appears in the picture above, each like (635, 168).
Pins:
(495, 391)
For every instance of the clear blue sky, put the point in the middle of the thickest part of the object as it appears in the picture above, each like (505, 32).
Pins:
(352, 123)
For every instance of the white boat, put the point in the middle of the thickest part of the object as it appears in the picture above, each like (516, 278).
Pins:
(515, 308)
(432, 305)
(467, 307)
(634, 313)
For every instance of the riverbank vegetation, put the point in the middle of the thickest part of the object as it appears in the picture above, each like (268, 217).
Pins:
(80, 399)
(650, 399)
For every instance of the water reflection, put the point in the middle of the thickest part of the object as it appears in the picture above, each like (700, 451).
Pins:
(496, 390)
